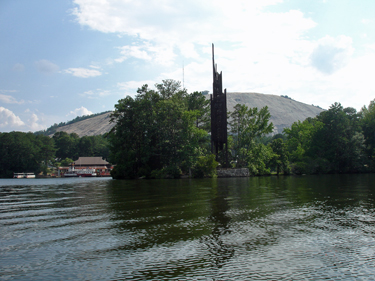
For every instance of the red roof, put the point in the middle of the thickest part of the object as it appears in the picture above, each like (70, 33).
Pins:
(90, 161)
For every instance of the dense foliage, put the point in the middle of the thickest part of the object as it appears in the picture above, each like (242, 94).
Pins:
(165, 133)
(159, 132)
(338, 140)
(246, 126)
(72, 146)
(28, 152)
(24, 152)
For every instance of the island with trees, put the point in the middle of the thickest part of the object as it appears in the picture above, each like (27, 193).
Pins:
(165, 133)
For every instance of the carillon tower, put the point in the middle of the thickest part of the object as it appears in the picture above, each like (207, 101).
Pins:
(219, 135)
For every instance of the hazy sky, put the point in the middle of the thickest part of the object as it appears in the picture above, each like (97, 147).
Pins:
(60, 59)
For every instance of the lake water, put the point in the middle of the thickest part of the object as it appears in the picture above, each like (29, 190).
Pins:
(263, 228)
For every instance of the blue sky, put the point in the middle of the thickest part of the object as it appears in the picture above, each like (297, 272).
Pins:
(61, 59)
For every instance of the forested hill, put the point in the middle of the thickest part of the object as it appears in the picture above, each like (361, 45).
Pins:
(284, 112)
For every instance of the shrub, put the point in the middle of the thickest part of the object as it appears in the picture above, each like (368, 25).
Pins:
(205, 167)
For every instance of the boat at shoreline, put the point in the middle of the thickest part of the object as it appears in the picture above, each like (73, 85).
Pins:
(23, 175)
(86, 173)
(70, 174)
(80, 173)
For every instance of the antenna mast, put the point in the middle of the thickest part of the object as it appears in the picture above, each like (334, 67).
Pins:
(183, 75)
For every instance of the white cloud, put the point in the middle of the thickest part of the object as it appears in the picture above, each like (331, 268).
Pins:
(9, 120)
(355, 81)
(370, 47)
(8, 91)
(150, 19)
(133, 51)
(331, 53)
(47, 67)
(168, 27)
(257, 50)
(80, 111)
(159, 53)
(95, 66)
(131, 87)
(33, 123)
(83, 72)
(366, 21)
(10, 99)
(18, 67)
(96, 94)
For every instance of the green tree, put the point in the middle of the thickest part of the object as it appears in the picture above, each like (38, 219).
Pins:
(155, 132)
(85, 147)
(24, 152)
(340, 141)
(259, 158)
(72, 146)
(170, 88)
(279, 161)
(100, 146)
(368, 126)
(205, 166)
(196, 101)
(247, 125)
(299, 137)
(66, 162)
(132, 139)
(330, 143)
(47, 150)
(66, 145)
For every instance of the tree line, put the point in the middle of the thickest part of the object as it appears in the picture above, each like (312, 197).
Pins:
(338, 140)
(36, 153)
(165, 132)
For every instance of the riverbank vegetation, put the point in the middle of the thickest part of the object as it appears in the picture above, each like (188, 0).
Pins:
(24, 152)
(37, 153)
(338, 140)
(165, 133)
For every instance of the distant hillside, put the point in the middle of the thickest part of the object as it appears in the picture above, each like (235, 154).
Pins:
(93, 126)
(284, 112)
(55, 127)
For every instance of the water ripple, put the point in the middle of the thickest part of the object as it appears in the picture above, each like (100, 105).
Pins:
(223, 229)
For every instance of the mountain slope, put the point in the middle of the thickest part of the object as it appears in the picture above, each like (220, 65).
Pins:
(284, 112)
(97, 125)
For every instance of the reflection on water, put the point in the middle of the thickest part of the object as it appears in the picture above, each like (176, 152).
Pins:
(220, 250)
(266, 228)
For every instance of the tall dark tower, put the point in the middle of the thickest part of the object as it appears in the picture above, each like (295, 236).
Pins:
(219, 135)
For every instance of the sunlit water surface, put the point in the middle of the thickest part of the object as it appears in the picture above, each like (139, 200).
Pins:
(267, 228)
